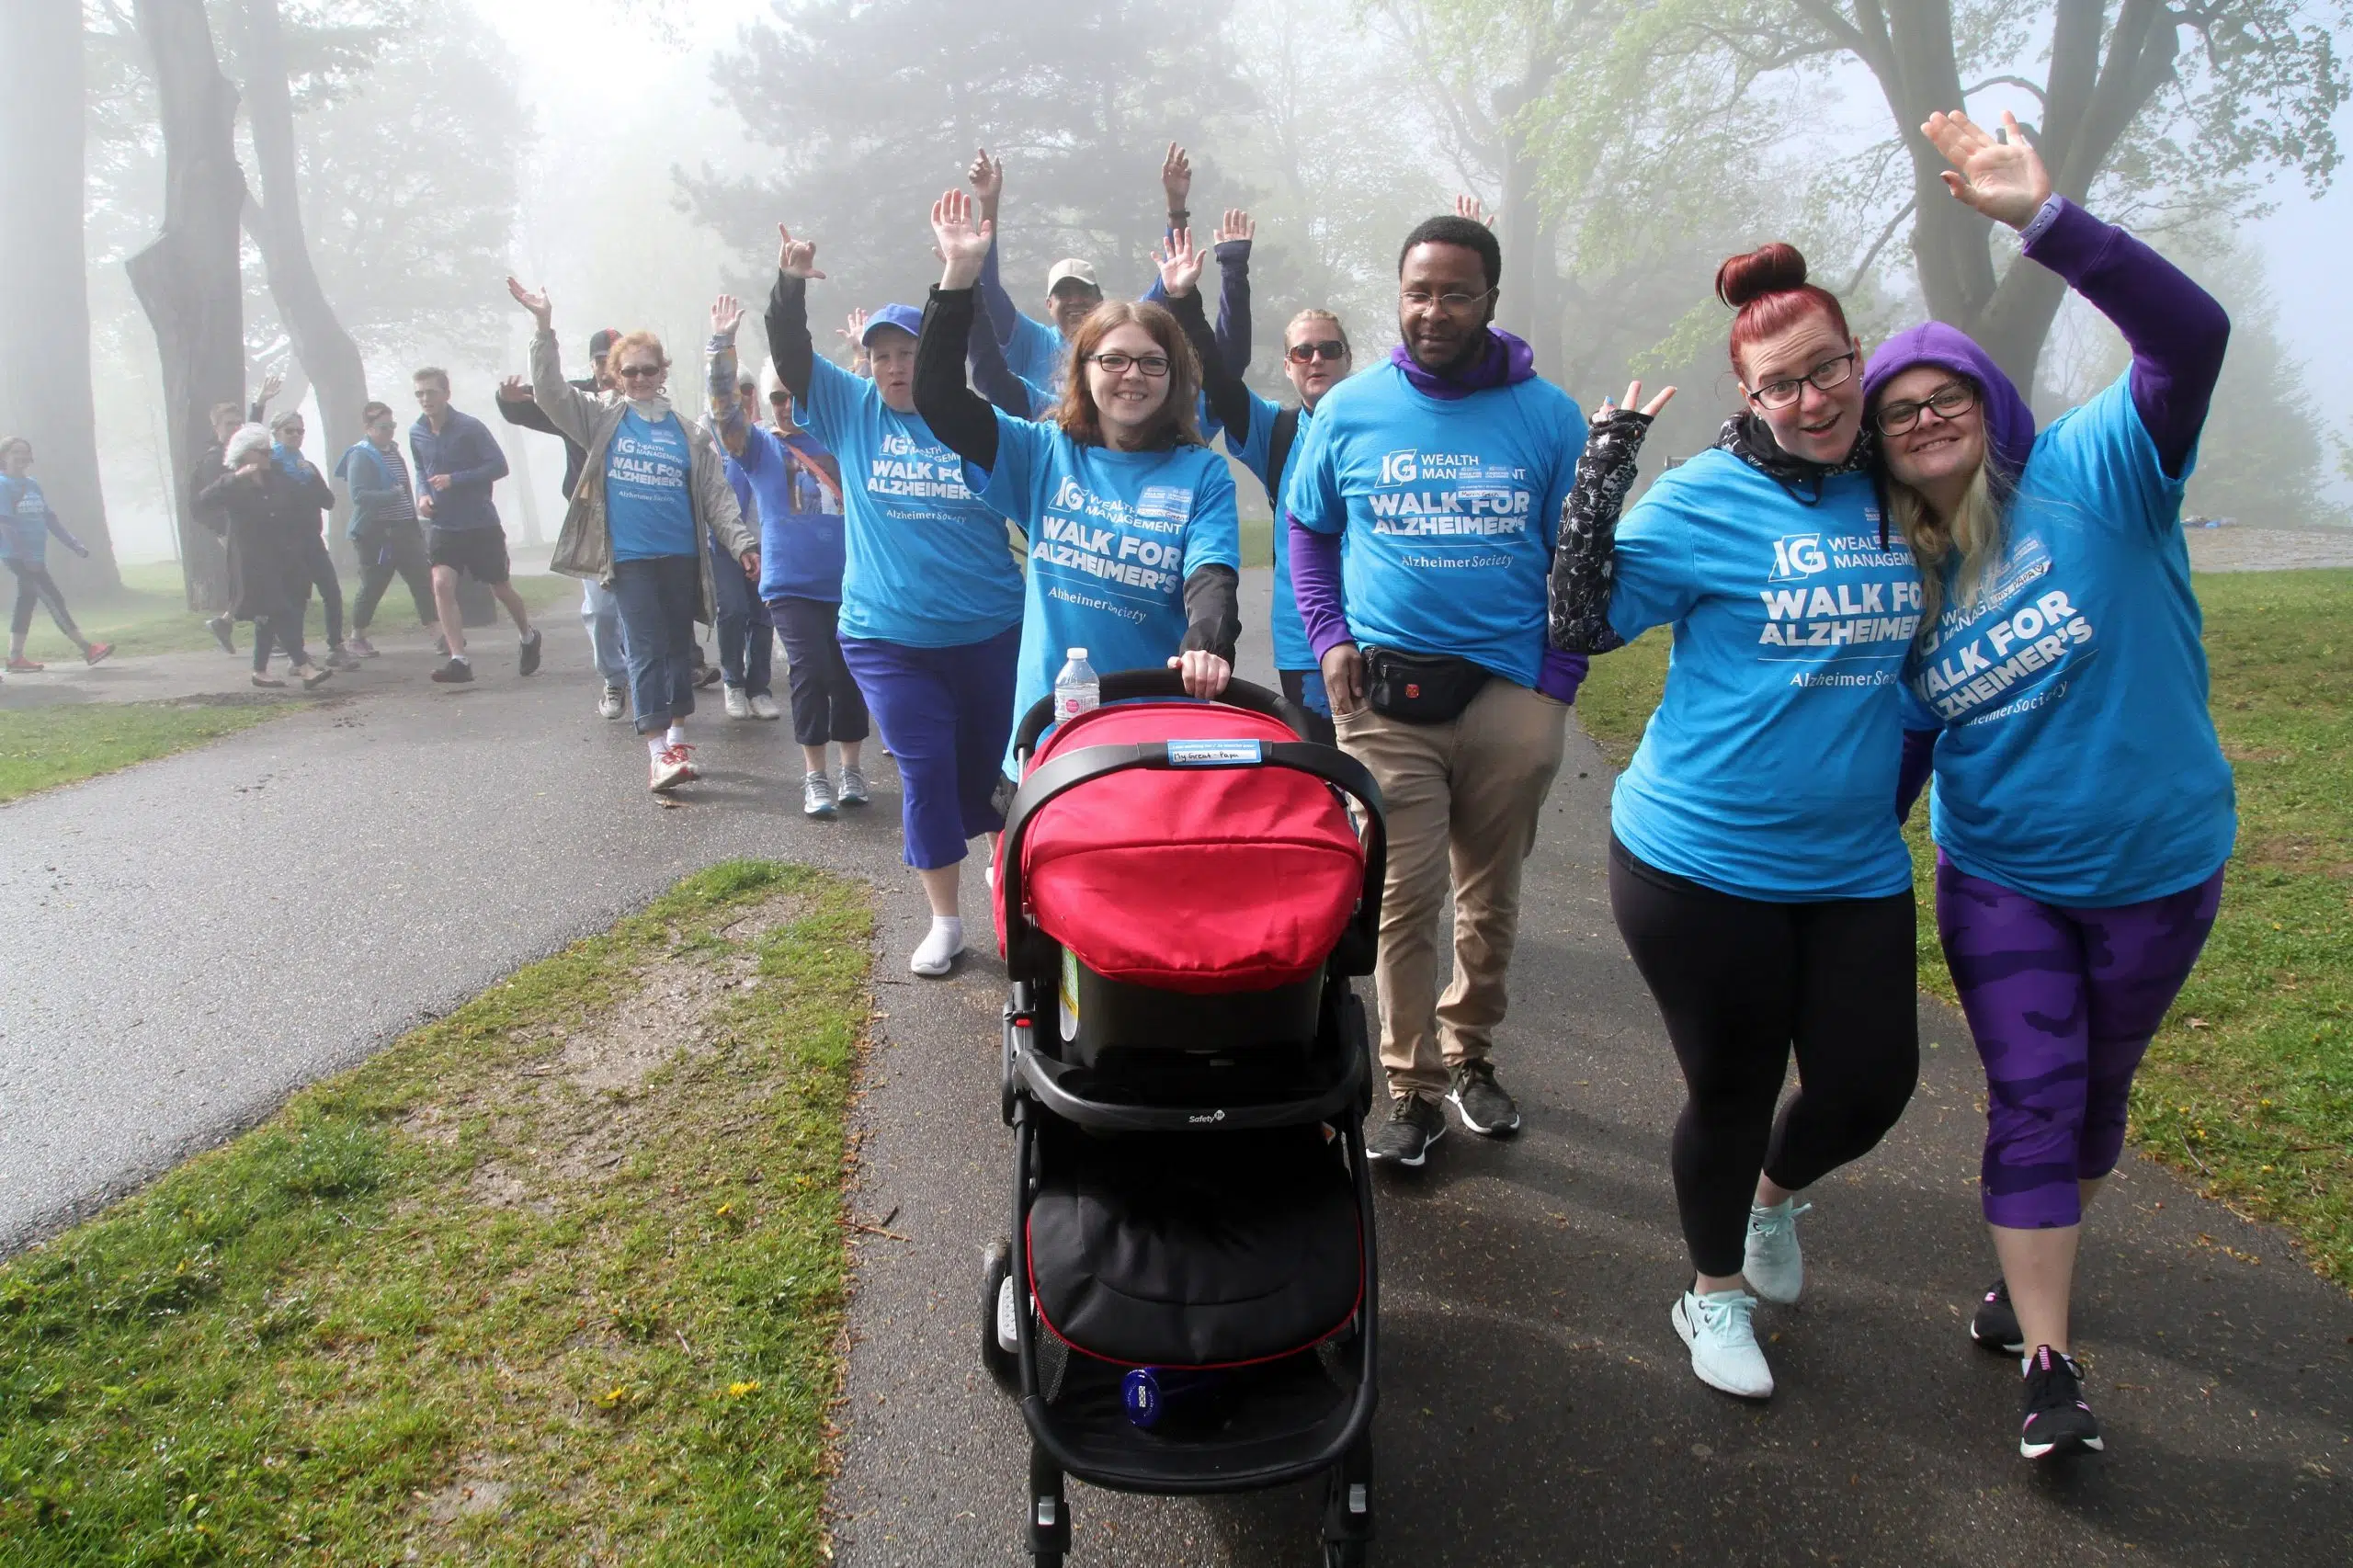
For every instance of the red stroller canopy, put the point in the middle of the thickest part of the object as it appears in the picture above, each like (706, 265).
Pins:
(1193, 879)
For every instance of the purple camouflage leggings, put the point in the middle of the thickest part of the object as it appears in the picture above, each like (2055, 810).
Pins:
(2062, 1002)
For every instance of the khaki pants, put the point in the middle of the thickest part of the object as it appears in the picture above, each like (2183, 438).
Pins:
(1463, 797)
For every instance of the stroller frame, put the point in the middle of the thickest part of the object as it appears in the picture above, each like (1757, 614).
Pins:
(1037, 1086)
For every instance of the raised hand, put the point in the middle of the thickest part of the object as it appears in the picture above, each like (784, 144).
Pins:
(1180, 264)
(1238, 225)
(795, 258)
(855, 333)
(269, 387)
(1634, 401)
(725, 312)
(963, 238)
(987, 177)
(1176, 178)
(536, 304)
(514, 389)
(1469, 206)
(2005, 181)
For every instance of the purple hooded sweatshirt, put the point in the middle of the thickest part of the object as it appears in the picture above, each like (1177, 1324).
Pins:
(1505, 361)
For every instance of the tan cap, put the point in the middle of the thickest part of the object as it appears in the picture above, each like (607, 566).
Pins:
(1071, 267)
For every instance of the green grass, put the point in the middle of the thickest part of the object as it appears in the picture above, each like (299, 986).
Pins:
(150, 616)
(508, 1292)
(43, 747)
(2248, 1087)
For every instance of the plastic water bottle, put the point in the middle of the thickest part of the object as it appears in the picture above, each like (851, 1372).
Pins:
(1078, 689)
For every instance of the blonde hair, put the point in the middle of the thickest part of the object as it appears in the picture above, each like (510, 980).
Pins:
(1973, 534)
(1314, 313)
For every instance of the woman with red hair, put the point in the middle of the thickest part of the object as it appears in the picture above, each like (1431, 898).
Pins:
(1757, 869)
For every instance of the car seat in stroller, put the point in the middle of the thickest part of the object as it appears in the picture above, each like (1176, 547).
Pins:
(1187, 1299)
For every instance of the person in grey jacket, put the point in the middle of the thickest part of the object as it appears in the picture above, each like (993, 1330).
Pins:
(653, 498)
(383, 529)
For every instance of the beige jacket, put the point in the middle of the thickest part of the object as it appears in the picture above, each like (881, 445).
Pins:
(584, 547)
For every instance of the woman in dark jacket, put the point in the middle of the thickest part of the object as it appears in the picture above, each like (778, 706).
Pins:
(268, 513)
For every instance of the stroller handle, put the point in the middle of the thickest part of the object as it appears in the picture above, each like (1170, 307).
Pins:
(1126, 685)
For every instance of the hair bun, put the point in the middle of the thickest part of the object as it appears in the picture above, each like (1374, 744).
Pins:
(1773, 268)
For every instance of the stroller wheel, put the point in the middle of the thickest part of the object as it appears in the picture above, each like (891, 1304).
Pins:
(1000, 1348)
(1345, 1554)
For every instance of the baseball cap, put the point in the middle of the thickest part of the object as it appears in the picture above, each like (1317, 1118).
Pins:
(906, 318)
(1070, 268)
(601, 343)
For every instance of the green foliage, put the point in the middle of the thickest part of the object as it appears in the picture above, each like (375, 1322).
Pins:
(43, 747)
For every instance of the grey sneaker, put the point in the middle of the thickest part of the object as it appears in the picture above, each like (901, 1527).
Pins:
(764, 707)
(1405, 1138)
(608, 705)
(1484, 1108)
(739, 706)
(816, 795)
(853, 792)
(1773, 1265)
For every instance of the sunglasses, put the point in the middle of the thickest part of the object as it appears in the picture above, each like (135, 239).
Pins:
(1308, 353)
(1152, 365)
(641, 372)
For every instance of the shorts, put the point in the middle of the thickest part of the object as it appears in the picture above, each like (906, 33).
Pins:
(481, 554)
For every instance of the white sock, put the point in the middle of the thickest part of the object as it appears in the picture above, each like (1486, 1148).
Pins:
(940, 947)
(462, 659)
(654, 745)
(678, 736)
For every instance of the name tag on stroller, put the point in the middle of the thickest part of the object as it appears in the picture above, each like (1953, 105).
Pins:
(1213, 753)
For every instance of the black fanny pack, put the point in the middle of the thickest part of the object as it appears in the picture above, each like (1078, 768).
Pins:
(1420, 689)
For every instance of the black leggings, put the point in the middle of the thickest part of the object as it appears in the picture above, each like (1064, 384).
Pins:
(1741, 982)
(35, 586)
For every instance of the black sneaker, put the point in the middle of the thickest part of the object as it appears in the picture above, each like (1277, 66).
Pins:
(706, 677)
(1405, 1138)
(2057, 1419)
(1484, 1108)
(531, 654)
(222, 632)
(1995, 1327)
(457, 671)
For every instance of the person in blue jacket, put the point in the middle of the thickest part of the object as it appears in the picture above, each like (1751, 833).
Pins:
(930, 621)
(25, 523)
(2083, 809)
(1756, 867)
(1134, 544)
(383, 529)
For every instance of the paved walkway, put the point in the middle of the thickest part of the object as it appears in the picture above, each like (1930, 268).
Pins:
(2241, 548)
(202, 934)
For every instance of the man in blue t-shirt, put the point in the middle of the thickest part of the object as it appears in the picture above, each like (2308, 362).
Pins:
(1445, 469)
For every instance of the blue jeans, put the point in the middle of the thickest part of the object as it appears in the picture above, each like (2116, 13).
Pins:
(601, 614)
(657, 597)
(946, 714)
(746, 637)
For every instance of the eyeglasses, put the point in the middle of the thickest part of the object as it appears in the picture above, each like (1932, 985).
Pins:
(1152, 365)
(642, 372)
(1833, 371)
(1949, 401)
(1453, 305)
(1308, 353)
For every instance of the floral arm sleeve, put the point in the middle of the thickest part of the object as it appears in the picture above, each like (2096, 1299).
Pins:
(1585, 559)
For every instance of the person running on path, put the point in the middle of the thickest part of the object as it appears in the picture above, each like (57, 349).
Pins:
(1118, 481)
(1443, 470)
(651, 497)
(263, 512)
(458, 461)
(1756, 869)
(599, 615)
(2083, 809)
(25, 523)
(931, 598)
(318, 566)
(796, 487)
(383, 529)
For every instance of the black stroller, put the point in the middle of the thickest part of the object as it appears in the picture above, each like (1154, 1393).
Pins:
(1186, 1304)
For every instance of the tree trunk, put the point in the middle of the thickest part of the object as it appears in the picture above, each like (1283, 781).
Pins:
(187, 279)
(327, 354)
(45, 326)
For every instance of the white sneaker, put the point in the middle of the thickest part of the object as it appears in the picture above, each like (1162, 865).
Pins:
(1774, 1267)
(669, 770)
(764, 706)
(816, 795)
(937, 954)
(609, 705)
(738, 705)
(1724, 1342)
(853, 792)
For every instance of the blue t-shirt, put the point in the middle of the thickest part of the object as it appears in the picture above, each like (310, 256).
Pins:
(1112, 538)
(646, 505)
(24, 520)
(1768, 769)
(1283, 623)
(2078, 762)
(800, 524)
(927, 562)
(1448, 508)
(1038, 354)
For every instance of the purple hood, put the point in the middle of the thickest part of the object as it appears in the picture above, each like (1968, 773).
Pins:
(2009, 424)
(1505, 361)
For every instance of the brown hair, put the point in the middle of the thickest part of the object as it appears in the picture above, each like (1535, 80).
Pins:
(1766, 287)
(629, 340)
(433, 373)
(226, 411)
(10, 443)
(371, 412)
(1172, 424)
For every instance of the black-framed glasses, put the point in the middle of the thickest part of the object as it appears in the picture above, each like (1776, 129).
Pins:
(1837, 371)
(1452, 302)
(1949, 401)
(642, 372)
(1115, 364)
(1308, 353)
